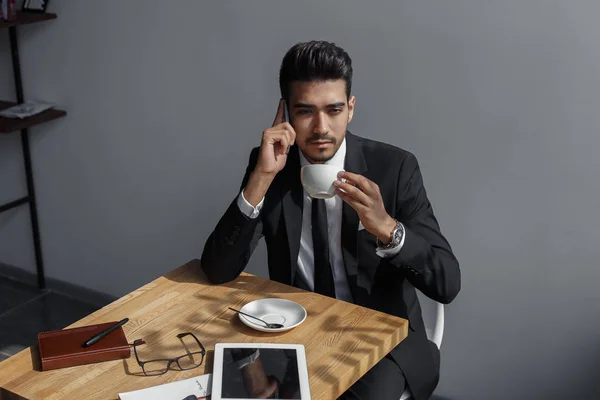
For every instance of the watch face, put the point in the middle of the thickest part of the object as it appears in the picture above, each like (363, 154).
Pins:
(397, 237)
(396, 240)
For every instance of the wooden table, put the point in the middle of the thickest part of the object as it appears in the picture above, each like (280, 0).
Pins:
(342, 340)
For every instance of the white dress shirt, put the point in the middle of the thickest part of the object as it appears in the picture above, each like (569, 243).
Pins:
(333, 205)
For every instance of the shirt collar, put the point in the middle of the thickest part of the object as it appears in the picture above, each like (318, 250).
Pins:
(337, 160)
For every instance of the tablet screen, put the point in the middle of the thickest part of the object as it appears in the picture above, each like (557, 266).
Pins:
(252, 373)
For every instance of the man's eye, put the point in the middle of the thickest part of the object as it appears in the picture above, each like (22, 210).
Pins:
(336, 110)
(301, 112)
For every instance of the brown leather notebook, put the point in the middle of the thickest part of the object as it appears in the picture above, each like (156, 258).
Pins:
(60, 349)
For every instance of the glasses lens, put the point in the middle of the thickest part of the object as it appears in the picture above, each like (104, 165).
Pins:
(190, 361)
(157, 367)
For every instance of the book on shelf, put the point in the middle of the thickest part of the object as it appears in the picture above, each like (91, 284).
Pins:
(8, 9)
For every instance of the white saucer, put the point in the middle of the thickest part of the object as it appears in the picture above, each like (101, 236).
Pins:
(273, 311)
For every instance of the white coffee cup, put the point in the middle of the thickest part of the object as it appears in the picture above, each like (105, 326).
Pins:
(318, 180)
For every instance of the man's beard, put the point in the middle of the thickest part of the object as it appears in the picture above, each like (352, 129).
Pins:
(322, 156)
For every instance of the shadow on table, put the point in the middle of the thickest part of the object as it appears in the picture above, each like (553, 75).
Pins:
(249, 287)
(193, 273)
(354, 353)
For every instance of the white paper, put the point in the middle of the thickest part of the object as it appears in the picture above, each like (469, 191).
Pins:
(199, 386)
(26, 109)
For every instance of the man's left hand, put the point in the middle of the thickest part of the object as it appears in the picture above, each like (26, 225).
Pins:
(363, 195)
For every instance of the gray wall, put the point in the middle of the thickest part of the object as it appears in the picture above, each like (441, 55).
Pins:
(498, 100)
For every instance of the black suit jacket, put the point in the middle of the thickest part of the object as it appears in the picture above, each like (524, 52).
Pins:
(426, 261)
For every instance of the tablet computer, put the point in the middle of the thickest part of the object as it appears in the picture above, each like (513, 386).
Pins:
(244, 371)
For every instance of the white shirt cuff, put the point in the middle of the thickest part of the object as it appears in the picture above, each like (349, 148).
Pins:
(248, 209)
(394, 250)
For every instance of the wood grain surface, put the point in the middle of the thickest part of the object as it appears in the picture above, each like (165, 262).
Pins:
(343, 341)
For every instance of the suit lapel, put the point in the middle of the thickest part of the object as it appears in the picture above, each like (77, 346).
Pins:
(291, 194)
(355, 163)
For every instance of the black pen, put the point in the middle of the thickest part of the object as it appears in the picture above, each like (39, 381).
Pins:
(104, 333)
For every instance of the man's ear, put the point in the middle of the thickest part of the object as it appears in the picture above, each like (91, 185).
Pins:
(351, 104)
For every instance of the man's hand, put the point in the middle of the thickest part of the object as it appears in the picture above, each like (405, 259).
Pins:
(271, 158)
(363, 195)
(275, 143)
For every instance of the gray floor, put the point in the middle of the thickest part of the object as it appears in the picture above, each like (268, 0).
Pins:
(25, 311)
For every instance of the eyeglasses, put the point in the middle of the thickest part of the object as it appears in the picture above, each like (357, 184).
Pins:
(189, 360)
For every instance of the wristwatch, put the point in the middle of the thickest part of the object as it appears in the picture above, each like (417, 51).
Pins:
(397, 235)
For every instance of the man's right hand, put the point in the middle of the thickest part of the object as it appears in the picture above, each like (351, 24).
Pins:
(272, 156)
(275, 143)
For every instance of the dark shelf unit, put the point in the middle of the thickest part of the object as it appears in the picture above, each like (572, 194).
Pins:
(9, 125)
(24, 18)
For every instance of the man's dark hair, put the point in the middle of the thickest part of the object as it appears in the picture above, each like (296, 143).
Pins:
(314, 61)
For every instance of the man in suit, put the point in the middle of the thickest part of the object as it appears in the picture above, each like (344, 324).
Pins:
(372, 244)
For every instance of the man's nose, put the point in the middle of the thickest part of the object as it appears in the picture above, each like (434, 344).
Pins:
(321, 127)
